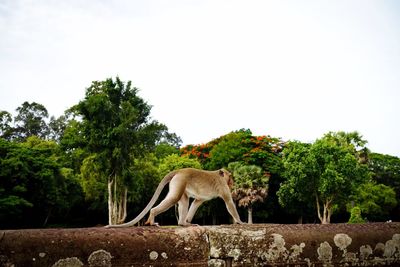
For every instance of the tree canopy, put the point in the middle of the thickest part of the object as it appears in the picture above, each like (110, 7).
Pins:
(326, 172)
(33, 182)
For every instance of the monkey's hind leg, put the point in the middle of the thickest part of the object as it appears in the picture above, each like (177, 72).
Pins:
(176, 190)
(183, 206)
(193, 208)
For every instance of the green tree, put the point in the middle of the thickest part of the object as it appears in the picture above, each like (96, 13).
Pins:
(265, 152)
(376, 201)
(355, 215)
(291, 193)
(6, 130)
(116, 129)
(164, 149)
(230, 148)
(13, 184)
(251, 186)
(73, 144)
(386, 170)
(33, 185)
(328, 172)
(31, 120)
(65, 190)
(176, 162)
(353, 141)
(57, 126)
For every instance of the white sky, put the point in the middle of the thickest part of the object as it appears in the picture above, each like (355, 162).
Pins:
(290, 69)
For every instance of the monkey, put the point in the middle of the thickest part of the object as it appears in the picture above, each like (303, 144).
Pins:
(189, 183)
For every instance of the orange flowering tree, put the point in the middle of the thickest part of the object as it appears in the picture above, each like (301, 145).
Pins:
(264, 151)
(199, 152)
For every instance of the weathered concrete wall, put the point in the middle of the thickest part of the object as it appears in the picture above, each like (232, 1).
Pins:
(227, 245)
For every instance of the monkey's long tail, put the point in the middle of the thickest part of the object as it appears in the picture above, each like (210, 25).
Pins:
(153, 200)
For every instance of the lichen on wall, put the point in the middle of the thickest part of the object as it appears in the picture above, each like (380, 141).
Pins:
(342, 241)
(257, 247)
(68, 262)
(324, 252)
(100, 258)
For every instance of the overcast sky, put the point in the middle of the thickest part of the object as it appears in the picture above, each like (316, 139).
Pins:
(289, 69)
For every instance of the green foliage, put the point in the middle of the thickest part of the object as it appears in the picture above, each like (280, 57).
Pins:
(176, 162)
(57, 127)
(146, 179)
(115, 124)
(351, 140)
(242, 146)
(264, 151)
(93, 179)
(32, 182)
(164, 149)
(355, 215)
(13, 200)
(326, 172)
(6, 130)
(251, 185)
(31, 120)
(114, 129)
(49, 169)
(12, 205)
(248, 176)
(376, 201)
(385, 170)
(229, 149)
(74, 192)
(299, 166)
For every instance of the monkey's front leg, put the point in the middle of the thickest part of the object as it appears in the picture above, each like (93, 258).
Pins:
(230, 206)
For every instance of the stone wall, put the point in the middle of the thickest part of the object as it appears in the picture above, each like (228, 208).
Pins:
(376, 244)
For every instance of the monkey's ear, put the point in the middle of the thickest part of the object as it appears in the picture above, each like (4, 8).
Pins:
(221, 173)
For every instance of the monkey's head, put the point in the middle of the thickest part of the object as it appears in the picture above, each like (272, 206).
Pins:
(228, 176)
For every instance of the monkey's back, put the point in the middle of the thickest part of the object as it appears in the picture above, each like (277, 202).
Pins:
(200, 183)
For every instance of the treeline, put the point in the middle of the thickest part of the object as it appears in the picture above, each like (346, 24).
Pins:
(100, 162)
(334, 179)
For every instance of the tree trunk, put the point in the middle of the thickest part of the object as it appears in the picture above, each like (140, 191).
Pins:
(250, 215)
(214, 219)
(47, 217)
(122, 206)
(325, 218)
(318, 208)
(110, 202)
(116, 203)
(300, 220)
